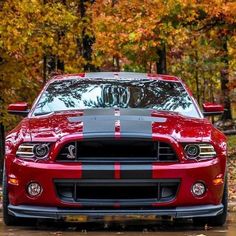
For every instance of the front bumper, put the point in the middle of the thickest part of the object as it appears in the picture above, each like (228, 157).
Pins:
(94, 215)
(46, 175)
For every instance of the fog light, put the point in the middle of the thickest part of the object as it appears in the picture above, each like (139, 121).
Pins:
(198, 189)
(34, 189)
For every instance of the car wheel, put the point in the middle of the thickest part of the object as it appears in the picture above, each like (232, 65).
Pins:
(7, 219)
(220, 219)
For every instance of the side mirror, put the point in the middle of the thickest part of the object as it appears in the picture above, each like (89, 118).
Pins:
(211, 109)
(19, 108)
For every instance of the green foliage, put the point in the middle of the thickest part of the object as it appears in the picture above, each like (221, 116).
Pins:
(232, 142)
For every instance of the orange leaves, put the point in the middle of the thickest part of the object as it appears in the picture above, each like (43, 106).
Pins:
(128, 33)
(130, 29)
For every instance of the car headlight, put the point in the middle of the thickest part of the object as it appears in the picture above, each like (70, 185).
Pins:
(192, 150)
(33, 150)
(199, 151)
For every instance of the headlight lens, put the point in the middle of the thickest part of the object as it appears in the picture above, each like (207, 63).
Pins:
(33, 150)
(192, 150)
(41, 150)
(199, 151)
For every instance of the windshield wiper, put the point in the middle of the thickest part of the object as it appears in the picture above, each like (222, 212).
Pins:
(42, 113)
(167, 111)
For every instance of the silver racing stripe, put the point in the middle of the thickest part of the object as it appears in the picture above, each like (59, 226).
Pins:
(131, 121)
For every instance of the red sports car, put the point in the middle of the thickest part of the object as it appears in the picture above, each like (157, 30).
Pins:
(105, 146)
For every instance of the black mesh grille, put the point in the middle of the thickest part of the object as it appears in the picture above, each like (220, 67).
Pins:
(165, 152)
(93, 193)
(114, 150)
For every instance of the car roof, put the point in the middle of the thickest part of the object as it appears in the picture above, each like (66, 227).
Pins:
(116, 75)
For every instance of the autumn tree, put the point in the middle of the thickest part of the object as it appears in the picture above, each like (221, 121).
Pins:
(217, 20)
(133, 32)
(190, 38)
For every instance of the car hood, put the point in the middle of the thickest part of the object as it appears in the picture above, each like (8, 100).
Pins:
(127, 121)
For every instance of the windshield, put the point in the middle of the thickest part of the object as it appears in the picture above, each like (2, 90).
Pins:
(76, 94)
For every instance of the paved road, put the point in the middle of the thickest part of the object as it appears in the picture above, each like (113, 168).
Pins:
(161, 228)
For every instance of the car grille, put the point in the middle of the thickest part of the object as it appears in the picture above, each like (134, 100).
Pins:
(117, 150)
(128, 193)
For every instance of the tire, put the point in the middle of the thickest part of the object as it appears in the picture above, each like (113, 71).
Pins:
(220, 219)
(9, 220)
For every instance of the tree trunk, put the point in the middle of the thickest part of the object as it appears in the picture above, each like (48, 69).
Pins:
(117, 63)
(44, 69)
(51, 63)
(54, 64)
(197, 78)
(2, 136)
(87, 41)
(2, 148)
(224, 81)
(204, 89)
(161, 63)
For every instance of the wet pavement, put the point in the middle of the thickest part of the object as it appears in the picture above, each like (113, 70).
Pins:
(166, 228)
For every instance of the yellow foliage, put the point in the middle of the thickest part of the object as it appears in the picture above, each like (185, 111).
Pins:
(129, 32)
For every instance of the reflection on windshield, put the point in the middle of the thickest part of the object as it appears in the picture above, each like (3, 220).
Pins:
(97, 93)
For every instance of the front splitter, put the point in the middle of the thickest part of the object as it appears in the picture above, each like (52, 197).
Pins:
(55, 213)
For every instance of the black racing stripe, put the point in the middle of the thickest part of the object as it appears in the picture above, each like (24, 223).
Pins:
(136, 171)
(97, 171)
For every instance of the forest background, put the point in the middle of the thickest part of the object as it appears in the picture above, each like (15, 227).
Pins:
(192, 39)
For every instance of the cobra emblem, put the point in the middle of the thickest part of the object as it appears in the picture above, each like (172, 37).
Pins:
(71, 150)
